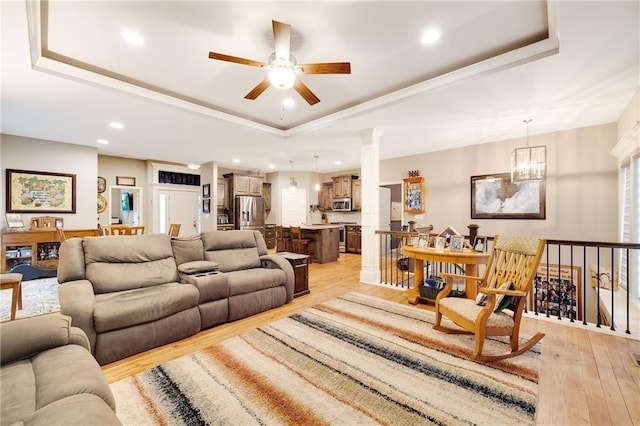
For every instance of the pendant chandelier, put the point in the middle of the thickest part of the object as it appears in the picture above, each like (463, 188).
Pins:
(529, 163)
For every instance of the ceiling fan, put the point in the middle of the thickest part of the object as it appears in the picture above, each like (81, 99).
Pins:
(283, 67)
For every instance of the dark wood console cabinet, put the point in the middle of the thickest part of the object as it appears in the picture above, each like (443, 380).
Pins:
(300, 264)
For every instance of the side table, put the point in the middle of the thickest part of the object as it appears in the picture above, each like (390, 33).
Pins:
(300, 264)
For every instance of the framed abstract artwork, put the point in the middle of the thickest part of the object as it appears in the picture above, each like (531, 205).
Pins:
(496, 197)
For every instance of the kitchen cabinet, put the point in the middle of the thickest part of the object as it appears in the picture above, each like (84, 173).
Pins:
(342, 187)
(270, 235)
(223, 196)
(354, 239)
(266, 195)
(245, 185)
(356, 194)
(36, 248)
(325, 197)
(325, 242)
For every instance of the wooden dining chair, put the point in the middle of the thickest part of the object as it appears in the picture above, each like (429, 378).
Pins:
(126, 230)
(299, 244)
(282, 243)
(174, 230)
(497, 310)
(61, 236)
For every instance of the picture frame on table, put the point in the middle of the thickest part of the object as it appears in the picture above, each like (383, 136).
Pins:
(439, 242)
(457, 243)
(14, 221)
(423, 240)
(496, 197)
(40, 192)
(480, 244)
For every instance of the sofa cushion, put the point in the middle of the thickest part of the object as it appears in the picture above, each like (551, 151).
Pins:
(233, 250)
(198, 267)
(48, 377)
(250, 280)
(81, 409)
(117, 263)
(123, 309)
(188, 249)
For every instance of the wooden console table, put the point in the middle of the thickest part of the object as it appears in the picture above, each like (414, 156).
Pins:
(471, 260)
(36, 248)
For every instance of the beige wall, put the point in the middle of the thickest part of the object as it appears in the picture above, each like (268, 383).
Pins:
(110, 168)
(581, 185)
(47, 156)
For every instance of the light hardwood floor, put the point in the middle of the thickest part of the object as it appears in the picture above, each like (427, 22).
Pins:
(586, 377)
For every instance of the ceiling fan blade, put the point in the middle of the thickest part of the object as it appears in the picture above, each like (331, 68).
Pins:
(282, 39)
(326, 68)
(235, 59)
(305, 92)
(257, 91)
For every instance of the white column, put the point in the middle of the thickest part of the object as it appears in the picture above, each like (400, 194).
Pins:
(370, 176)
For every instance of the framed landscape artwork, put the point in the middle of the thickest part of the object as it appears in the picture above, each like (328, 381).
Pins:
(40, 192)
(496, 197)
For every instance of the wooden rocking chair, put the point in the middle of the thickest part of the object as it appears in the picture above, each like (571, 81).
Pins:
(505, 284)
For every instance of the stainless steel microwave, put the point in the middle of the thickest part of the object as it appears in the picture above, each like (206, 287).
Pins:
(342, 204)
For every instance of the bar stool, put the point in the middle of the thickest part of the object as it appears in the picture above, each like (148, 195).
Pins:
(14, 282)
(300, 245)
(282, 243)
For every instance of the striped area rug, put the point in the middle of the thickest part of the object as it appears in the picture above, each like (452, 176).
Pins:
(353, 360)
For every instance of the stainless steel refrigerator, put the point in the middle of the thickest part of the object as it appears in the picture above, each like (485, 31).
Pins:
(249, 213)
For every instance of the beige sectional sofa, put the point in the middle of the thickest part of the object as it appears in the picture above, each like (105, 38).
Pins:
(49, 377)
(133, 293)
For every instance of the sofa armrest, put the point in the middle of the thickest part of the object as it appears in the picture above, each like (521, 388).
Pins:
(275, 261)
(27, 337)
(78, 301)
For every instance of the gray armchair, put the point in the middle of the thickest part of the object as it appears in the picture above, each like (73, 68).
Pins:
(48, 375)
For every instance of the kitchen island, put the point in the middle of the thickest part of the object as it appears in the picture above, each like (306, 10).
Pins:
(325, 242)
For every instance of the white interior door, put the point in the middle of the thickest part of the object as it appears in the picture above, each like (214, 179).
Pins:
(181, 207)
(294, 207)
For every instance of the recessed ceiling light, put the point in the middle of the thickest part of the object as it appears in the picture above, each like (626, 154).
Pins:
(337, 163)
(236, 160)
(193, 166)
(103, 141)
(430, 36)
(116, 125)
(272, 166)
(133, 38)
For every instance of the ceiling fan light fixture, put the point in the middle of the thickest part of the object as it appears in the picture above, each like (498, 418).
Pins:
(282, 74)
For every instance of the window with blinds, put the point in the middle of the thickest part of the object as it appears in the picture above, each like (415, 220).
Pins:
(625, 228)
(630, 219)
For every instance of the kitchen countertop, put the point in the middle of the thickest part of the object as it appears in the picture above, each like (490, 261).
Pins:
(319, 226)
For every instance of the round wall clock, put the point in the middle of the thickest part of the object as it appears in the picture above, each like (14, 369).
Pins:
(102, 204)
(102, 185)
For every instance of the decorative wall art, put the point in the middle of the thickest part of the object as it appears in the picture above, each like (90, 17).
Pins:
(102, 185)
(125, 181)
(40, 192)
(557, 290)
(206, 205)
(496, 197)
(414, 195)
(206, 190)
